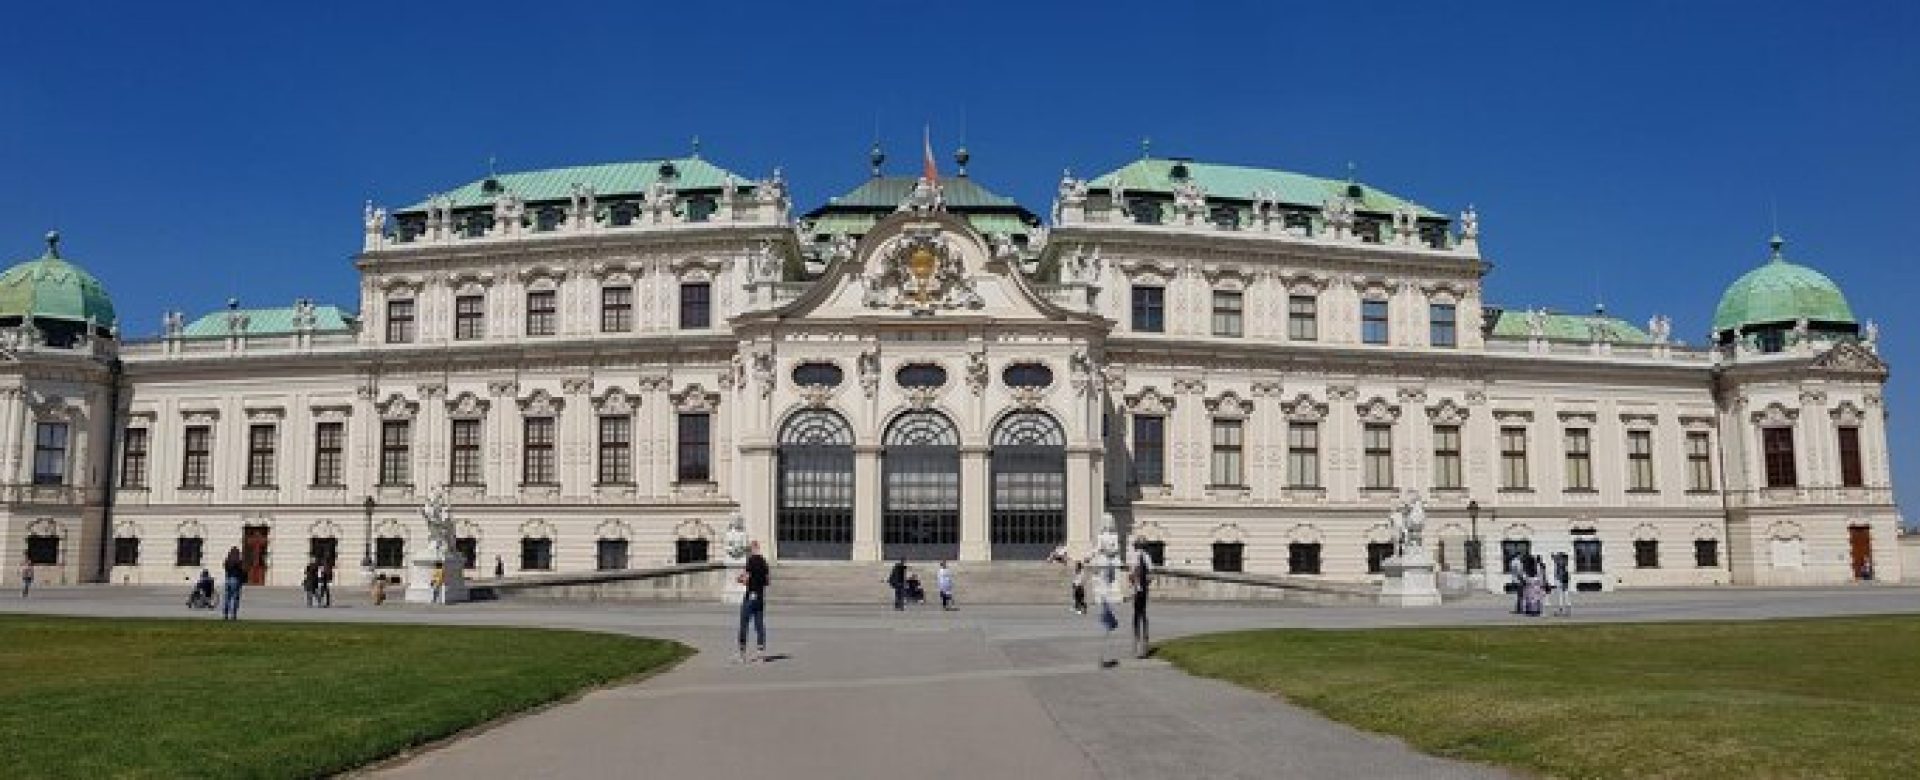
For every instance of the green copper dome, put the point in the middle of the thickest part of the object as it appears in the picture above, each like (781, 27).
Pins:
(49, 288)
(1781, 293)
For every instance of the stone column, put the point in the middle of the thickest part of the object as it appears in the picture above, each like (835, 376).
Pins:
(976, 503)
(1085, 496)
(866, 502)
(755, 493)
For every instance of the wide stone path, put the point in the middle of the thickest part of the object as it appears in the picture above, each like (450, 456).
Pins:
(979, 693)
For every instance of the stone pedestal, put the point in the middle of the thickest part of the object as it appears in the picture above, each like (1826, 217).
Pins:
(1410, 580)
(453, 586)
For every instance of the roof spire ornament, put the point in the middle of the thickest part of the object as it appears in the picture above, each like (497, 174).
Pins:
(53, 244)
(876, 157)
(696, 146)
(1146, 148)
(1775, 243)
(960, 158)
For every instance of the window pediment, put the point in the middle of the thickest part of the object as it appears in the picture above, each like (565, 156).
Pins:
(1378, 410)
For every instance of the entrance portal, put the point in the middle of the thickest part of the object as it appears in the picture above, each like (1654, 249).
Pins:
(920, 474)
(253, 553)
(1029, 487)
(1860, 545)
(815, 484)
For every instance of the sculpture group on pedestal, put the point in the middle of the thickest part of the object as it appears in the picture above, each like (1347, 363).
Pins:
(441, 567)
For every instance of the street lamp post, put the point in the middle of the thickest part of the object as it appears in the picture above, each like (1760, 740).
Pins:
(1474, 561)
(366, 541)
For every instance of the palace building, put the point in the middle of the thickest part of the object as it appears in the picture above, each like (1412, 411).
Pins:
(1245, 368)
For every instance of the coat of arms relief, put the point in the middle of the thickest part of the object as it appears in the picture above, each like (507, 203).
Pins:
(920, 272)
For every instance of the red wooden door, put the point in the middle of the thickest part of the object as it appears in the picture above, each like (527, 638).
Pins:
(1860, 544)
(253, 550)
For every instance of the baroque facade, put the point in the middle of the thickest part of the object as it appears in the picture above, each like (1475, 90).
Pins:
(1244, 368)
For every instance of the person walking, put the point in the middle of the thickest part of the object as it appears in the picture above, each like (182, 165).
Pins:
(1563, 586)
(235, 570)
(326, 583)
(943, 579)
(898, 581)
(1516, 577)
(379, 592)
(1108, 621)
(1080, 587)
(439, 582)
(1140, 579)
(310, 582)
(499, 567)
(753, 603)
(1533, 587)
(26, 575)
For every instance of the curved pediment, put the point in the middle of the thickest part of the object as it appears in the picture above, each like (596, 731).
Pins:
(922, 266)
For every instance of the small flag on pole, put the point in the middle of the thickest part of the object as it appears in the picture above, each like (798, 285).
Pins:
(929, 170)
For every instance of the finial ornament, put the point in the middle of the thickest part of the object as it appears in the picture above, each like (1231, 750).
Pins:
(1775, 244)
(876, 157)
(53, 243)
(1146, 148)
(961, 157)
(696, 147)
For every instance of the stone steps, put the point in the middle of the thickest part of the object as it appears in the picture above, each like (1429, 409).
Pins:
(974, 583)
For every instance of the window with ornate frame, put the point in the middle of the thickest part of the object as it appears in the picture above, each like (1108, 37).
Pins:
(536, 451)
(1377, 441)
(50, 453)
(396, 452)
(1374, 325)
(696, 305)
(196, 461)
(1447, 469)
(262, 458)
(542, 312)
(1443, 326)
(469, 317)
(695, 463)
(1149, 308)
(1640, 461)
(400, 324)
(1579, 452)
(1851, 472)
(329, 454)
(616, 309)
(1776, 446)
(133, 458)
(1228, 462)
(464, 463)
(1303, 318)
(1513, 459)
(1149, 449)
(1227, 319)
(1699, 462)
(1303, 454)
(616, 449)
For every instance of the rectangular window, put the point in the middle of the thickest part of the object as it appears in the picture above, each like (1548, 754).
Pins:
(400, 321)
(1373, 321)
(1646, 554)
(542, 313)
(1851, 473)
(262, 459)
(43, 550)
(1226, 312)
(469, 549)
(396, 452)
(1303, 455)
(389, 552)
(1699, 461)
(695, 461)
(1579, 446)
(690, 551)
(1150, 309)
(1229, 556)
(1514, 548)
(187, 550)
(536, 451)
(1640, 461)
(1377, 555)
(1447, 473)
(536, 554)
(1303, 558)
(616, 450)
(133, 459)
(469, 317)
(696, 306)
(1443, 330)
(126, 551)
(1303, 318)
(610, 554)
(1149, 449)
(1586, 556)
(196, 461)
(1377, 440)
(1513, 459)
(1777, 446)
(1706, 553)
(323, 549)
(616, 309)
(50, 453)
(1228, 470)
(464, 467)
(329, 454)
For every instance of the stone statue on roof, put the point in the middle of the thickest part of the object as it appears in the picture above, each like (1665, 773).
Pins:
(1802, 332)
(1536, 323)
(1660, 328)
(1470, 223)
(1870, 333)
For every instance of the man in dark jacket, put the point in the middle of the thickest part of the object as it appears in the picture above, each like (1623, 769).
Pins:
(898, 579)
(753, 604)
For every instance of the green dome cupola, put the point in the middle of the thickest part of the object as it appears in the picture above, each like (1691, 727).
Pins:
(59, 298)
(1778, 295)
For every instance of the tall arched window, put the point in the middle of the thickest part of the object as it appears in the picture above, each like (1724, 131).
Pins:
(815, 487)
(920, 518)
(1029, 487)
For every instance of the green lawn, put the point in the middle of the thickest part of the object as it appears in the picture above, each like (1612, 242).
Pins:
(1823, 698)
(93, 698)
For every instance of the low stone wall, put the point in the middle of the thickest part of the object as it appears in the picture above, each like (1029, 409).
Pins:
(688, 582)
(1909, 549)
(1187, 585)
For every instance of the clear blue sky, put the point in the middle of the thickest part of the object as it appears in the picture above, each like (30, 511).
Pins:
(1628, 151)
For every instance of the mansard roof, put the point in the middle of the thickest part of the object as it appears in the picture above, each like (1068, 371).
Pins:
(268, 322)
(1512, 324)
(608, 180)
(856, 212)
(1239, 182)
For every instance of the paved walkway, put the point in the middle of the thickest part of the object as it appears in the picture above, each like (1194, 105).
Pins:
(979, 693)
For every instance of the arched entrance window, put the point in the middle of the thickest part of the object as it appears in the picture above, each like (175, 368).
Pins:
(815, 487)
(1029, 487)
(920, 518)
